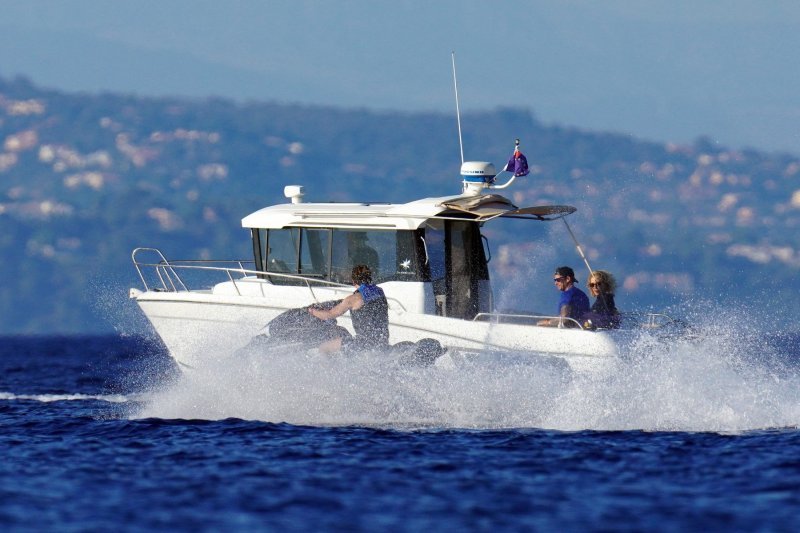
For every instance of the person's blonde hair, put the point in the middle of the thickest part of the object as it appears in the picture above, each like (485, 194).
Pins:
(606, 280)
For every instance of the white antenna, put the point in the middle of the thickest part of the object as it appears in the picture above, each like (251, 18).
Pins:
(458, 112)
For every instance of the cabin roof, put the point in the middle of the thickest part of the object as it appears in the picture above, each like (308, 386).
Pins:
(408, 216)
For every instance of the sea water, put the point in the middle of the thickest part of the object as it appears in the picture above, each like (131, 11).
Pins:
(104, 433)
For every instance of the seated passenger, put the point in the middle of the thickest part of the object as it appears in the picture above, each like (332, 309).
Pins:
(603, 313)
(573, 303)
(369, 312)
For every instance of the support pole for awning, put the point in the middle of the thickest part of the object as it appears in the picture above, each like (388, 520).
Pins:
(578, 246)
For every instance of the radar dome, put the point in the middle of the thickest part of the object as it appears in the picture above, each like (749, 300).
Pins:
(477, 171)
(476, 176)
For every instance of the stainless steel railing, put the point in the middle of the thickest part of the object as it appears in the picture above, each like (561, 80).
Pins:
(627, 320)
(170, 280)
(514, 318)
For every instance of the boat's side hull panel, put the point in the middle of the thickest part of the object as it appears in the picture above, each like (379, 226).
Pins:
(199, 327)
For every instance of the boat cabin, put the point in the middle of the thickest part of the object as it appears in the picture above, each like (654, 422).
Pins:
(429, 252)
(448, 255)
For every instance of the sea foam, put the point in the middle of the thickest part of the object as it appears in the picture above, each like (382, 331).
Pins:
(720, 379)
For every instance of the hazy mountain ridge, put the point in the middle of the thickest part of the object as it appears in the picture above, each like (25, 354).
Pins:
(86, 178)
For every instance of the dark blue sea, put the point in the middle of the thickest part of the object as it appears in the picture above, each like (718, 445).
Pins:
(105, 434)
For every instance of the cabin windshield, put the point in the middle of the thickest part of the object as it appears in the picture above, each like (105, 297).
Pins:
(331, 254)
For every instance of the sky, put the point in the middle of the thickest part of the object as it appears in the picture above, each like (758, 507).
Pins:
(666, 71)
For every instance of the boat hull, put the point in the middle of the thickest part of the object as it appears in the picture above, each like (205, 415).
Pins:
(200, 327)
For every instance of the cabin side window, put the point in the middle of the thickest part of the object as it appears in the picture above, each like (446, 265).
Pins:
(281, 251)
(314, 249)
(331, 254)
(391, 255)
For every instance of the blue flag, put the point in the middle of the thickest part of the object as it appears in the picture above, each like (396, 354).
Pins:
(518, 164)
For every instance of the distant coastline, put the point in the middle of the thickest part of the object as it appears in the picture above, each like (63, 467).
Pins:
(88, 177)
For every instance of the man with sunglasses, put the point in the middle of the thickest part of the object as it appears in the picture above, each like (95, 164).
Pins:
(573, 303)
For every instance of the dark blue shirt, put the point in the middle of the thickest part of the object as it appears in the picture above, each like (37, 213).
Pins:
(577, 300)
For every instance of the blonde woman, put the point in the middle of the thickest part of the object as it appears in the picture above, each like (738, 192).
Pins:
(603, 313)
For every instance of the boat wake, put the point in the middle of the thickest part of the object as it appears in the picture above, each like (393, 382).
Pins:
(48, 398)
(722, 380)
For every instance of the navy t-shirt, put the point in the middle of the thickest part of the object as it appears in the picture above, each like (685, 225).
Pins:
(577, 300)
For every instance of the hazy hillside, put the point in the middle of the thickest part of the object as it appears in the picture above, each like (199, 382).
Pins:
(86, 178)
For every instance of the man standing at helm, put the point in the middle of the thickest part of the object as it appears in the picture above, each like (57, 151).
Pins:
(360, 252)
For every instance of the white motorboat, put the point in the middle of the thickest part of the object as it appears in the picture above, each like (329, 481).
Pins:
(428, 256)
